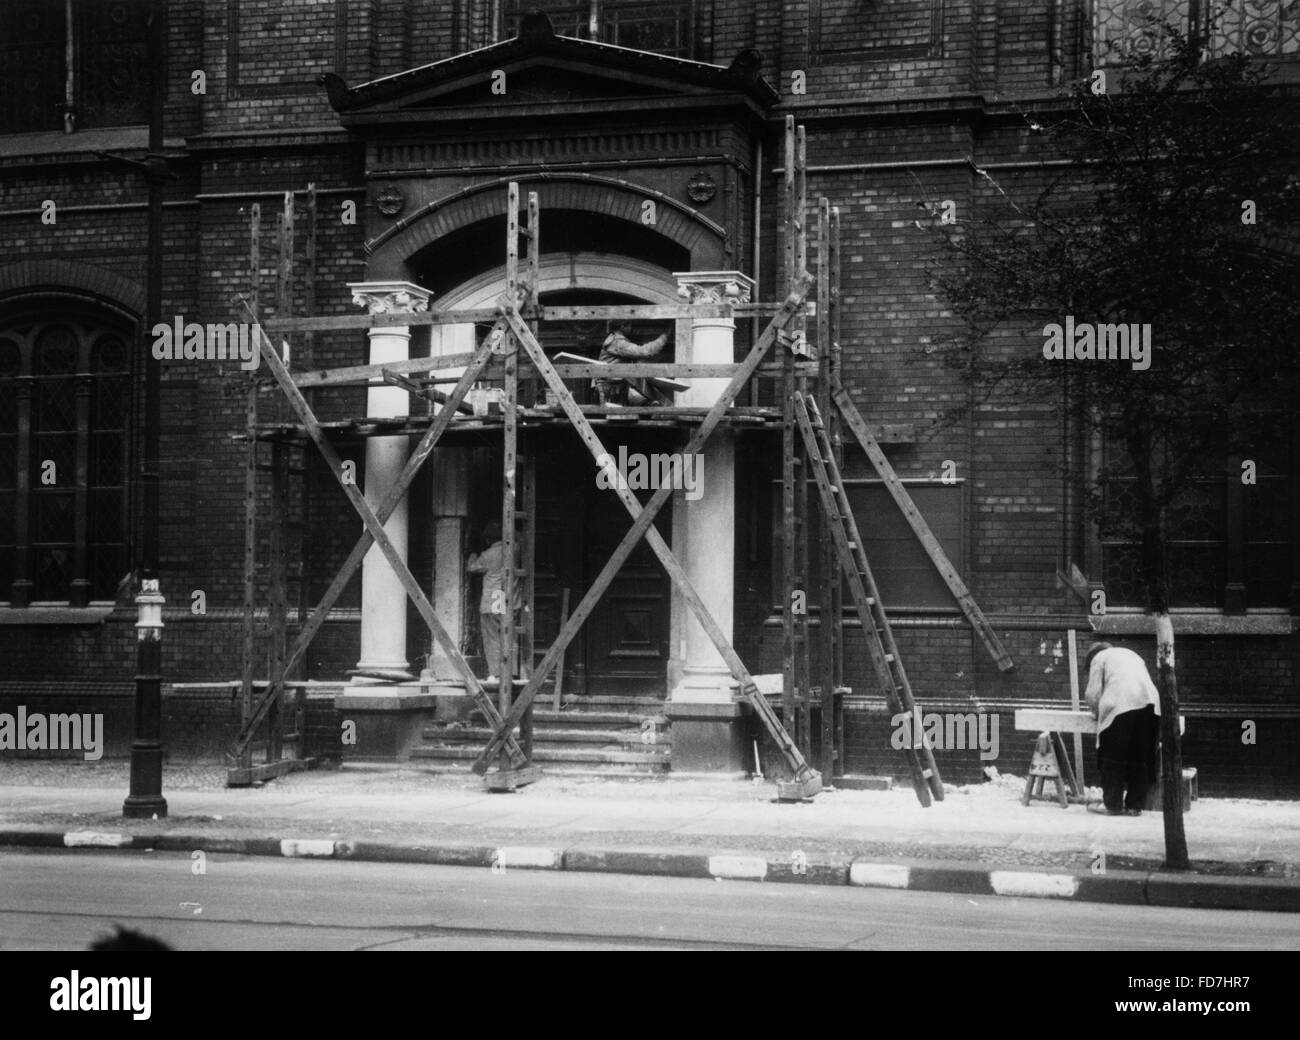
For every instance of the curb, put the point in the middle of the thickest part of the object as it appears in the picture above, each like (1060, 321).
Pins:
(1141, 888)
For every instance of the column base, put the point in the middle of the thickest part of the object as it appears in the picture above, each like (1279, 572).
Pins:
(453, 703)
(380, 674)
(389, 721)
(710, 738)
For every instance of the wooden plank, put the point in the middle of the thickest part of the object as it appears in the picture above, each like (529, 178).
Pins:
(374, 522)
(1072, 643)
(528, 569)
(643, 519)
(512, 779)
(478, 315)
(587, 368)
(597, 589)
(368, 373)
(921, 529)
(1055, 720)
(559, 664)
(244, 776)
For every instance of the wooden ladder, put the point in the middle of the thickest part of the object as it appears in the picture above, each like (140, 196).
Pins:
(862, 587)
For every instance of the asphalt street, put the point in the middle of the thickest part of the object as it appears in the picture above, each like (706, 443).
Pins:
(63, 900)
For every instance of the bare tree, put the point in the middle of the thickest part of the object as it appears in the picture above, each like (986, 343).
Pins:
(1181, 180)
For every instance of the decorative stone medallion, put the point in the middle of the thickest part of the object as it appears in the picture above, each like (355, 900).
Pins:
(701, 188)
(390, 201)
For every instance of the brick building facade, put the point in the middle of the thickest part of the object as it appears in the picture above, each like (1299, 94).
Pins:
(680, 102)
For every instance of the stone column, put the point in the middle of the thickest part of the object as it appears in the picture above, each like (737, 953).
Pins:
(383, 600)
(708, 731)
(451, 537)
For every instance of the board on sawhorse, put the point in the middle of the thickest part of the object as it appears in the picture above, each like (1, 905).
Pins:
(1050, 762)
(862, 588)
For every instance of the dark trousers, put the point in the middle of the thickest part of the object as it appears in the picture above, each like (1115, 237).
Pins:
(1126, 758)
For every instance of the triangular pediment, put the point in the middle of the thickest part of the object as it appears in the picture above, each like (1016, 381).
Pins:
(542, 72)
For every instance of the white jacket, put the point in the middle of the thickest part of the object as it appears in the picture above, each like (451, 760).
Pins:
(1118, 681)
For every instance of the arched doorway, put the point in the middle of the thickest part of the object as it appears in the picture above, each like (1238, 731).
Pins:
(623, 650)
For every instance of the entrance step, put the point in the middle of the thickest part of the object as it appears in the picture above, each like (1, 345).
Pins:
(552, 736)
(587, 703)
(573, 742)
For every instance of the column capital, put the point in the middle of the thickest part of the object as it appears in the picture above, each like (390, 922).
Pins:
(714, 286)
(390, 297)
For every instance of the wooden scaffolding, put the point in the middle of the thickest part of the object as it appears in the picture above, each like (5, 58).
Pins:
(813, 414)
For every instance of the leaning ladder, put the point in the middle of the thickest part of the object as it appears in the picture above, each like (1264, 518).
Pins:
(862, 587)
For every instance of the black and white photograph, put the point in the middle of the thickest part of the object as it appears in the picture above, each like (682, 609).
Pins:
(651, 475)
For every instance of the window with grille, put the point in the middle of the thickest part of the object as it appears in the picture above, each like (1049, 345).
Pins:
(664, 28)
(1262, 28)
(69, 64)
(65, 419)
(1201, 538)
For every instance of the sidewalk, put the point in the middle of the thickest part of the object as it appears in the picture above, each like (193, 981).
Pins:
(1246, 853)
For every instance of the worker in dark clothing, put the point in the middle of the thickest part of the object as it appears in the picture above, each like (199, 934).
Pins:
(617, 347)
(1126, 704)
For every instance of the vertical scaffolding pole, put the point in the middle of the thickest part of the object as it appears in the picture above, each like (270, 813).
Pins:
(789, 464)
(803, 529)
(528, 476)
(249, 648)
(277, 595)
(277, 598)
(827, 629)
(303, 604)
(509, 464)
(837, 444)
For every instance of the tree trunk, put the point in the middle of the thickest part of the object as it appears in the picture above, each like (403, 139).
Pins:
(1155, 579)
(1171, 755)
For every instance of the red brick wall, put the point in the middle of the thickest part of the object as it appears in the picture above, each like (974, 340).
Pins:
(887, 83)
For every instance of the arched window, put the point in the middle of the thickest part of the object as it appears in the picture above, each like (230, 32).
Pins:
(65, 420)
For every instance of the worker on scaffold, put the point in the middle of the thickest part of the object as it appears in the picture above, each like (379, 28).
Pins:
(617, 347)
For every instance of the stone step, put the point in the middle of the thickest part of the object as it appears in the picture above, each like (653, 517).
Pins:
(578, 717)
(548, 736)
(571, 756)
(606, 702)
(654, 771)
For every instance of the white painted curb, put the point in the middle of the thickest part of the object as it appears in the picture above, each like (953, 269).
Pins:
(307, 847)
(879, 875)
(533, 857)
(96, 839)
(1030, 883)
(753, 868)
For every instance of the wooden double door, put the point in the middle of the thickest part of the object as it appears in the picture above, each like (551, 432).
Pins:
(623, 647)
